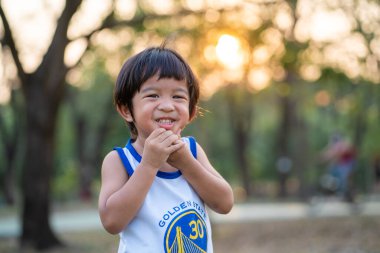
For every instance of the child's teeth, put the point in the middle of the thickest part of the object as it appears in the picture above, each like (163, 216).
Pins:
(165, 121)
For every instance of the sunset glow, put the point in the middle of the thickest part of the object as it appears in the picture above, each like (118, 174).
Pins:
(230, 52)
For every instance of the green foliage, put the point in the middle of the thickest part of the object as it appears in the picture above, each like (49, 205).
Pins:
(334, 102)
(65, 139)
(65, 185)
(212, 131)
(212, 127)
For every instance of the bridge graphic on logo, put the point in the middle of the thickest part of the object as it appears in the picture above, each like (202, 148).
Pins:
(183, 244)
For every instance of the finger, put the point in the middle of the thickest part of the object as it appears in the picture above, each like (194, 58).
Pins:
(156, 132)
(178, 141)
(176, 146)
(163, 136)
(170, 140)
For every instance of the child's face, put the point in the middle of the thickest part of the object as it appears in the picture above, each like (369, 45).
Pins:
(161, 103)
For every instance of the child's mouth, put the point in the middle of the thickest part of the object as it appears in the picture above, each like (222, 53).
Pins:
(165, 123)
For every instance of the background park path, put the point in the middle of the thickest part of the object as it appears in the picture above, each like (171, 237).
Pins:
(86, 218)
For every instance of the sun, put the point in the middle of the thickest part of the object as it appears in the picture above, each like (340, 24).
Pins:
(229, 52)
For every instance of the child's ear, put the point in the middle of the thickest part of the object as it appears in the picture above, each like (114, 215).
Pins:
(125, 113)
(194, 114)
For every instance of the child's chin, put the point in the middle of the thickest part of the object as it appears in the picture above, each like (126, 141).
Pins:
(174, 128)
(171, 128)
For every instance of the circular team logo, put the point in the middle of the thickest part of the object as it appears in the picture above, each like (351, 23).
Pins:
(186, 233)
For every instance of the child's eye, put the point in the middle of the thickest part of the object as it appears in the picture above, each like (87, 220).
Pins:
(152, 96)
(179, 97)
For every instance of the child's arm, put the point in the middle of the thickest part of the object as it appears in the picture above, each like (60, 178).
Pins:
(121, 197)
(207, 182)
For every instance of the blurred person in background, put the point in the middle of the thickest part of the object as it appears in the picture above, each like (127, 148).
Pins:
(340, 155)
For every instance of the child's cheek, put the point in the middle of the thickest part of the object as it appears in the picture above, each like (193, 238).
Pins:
(178, 130)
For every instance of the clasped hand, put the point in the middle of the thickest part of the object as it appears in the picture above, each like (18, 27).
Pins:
(163, 146)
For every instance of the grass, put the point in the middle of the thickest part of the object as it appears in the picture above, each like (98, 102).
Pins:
(75, 242)
(332, 235)
(353, 234)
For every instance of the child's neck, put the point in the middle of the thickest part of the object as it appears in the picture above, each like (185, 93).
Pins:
(167, 168)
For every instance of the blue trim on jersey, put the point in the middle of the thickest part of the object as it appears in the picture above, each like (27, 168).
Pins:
(193, 146)
(169, 175)
(133, 151)
(125, 161)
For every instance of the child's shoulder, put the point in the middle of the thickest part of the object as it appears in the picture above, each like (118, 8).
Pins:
(192, 143)
(111, 159)
(111, 155)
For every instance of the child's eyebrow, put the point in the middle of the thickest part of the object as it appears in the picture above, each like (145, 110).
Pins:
(149, 89)
(183, 90)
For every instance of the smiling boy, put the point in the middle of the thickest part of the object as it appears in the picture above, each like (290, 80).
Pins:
(155, 189)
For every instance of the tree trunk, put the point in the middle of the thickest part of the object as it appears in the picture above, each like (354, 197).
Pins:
(292, 143)
(284, 160)
(85, 171)
(360, 125)
(41, 114)
(89, 158)
(301, 157)
(241, 114)
(43, 91)
(9, 178)
(241, 149)
(11, 137)
(89, 142)
(9, 146)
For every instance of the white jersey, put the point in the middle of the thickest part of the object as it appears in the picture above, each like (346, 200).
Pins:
(172, 218)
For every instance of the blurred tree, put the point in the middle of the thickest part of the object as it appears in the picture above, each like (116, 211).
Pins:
(277, 44)
(92, 111)
(292, 148)
(11, 129)
(240, 106)
(43, 91)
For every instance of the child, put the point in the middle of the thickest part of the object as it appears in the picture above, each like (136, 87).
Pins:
(155, 189)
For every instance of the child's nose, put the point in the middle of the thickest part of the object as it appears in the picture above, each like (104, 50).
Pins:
(166, 105)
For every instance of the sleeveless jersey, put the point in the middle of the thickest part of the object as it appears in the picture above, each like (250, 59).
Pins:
(172, 217)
